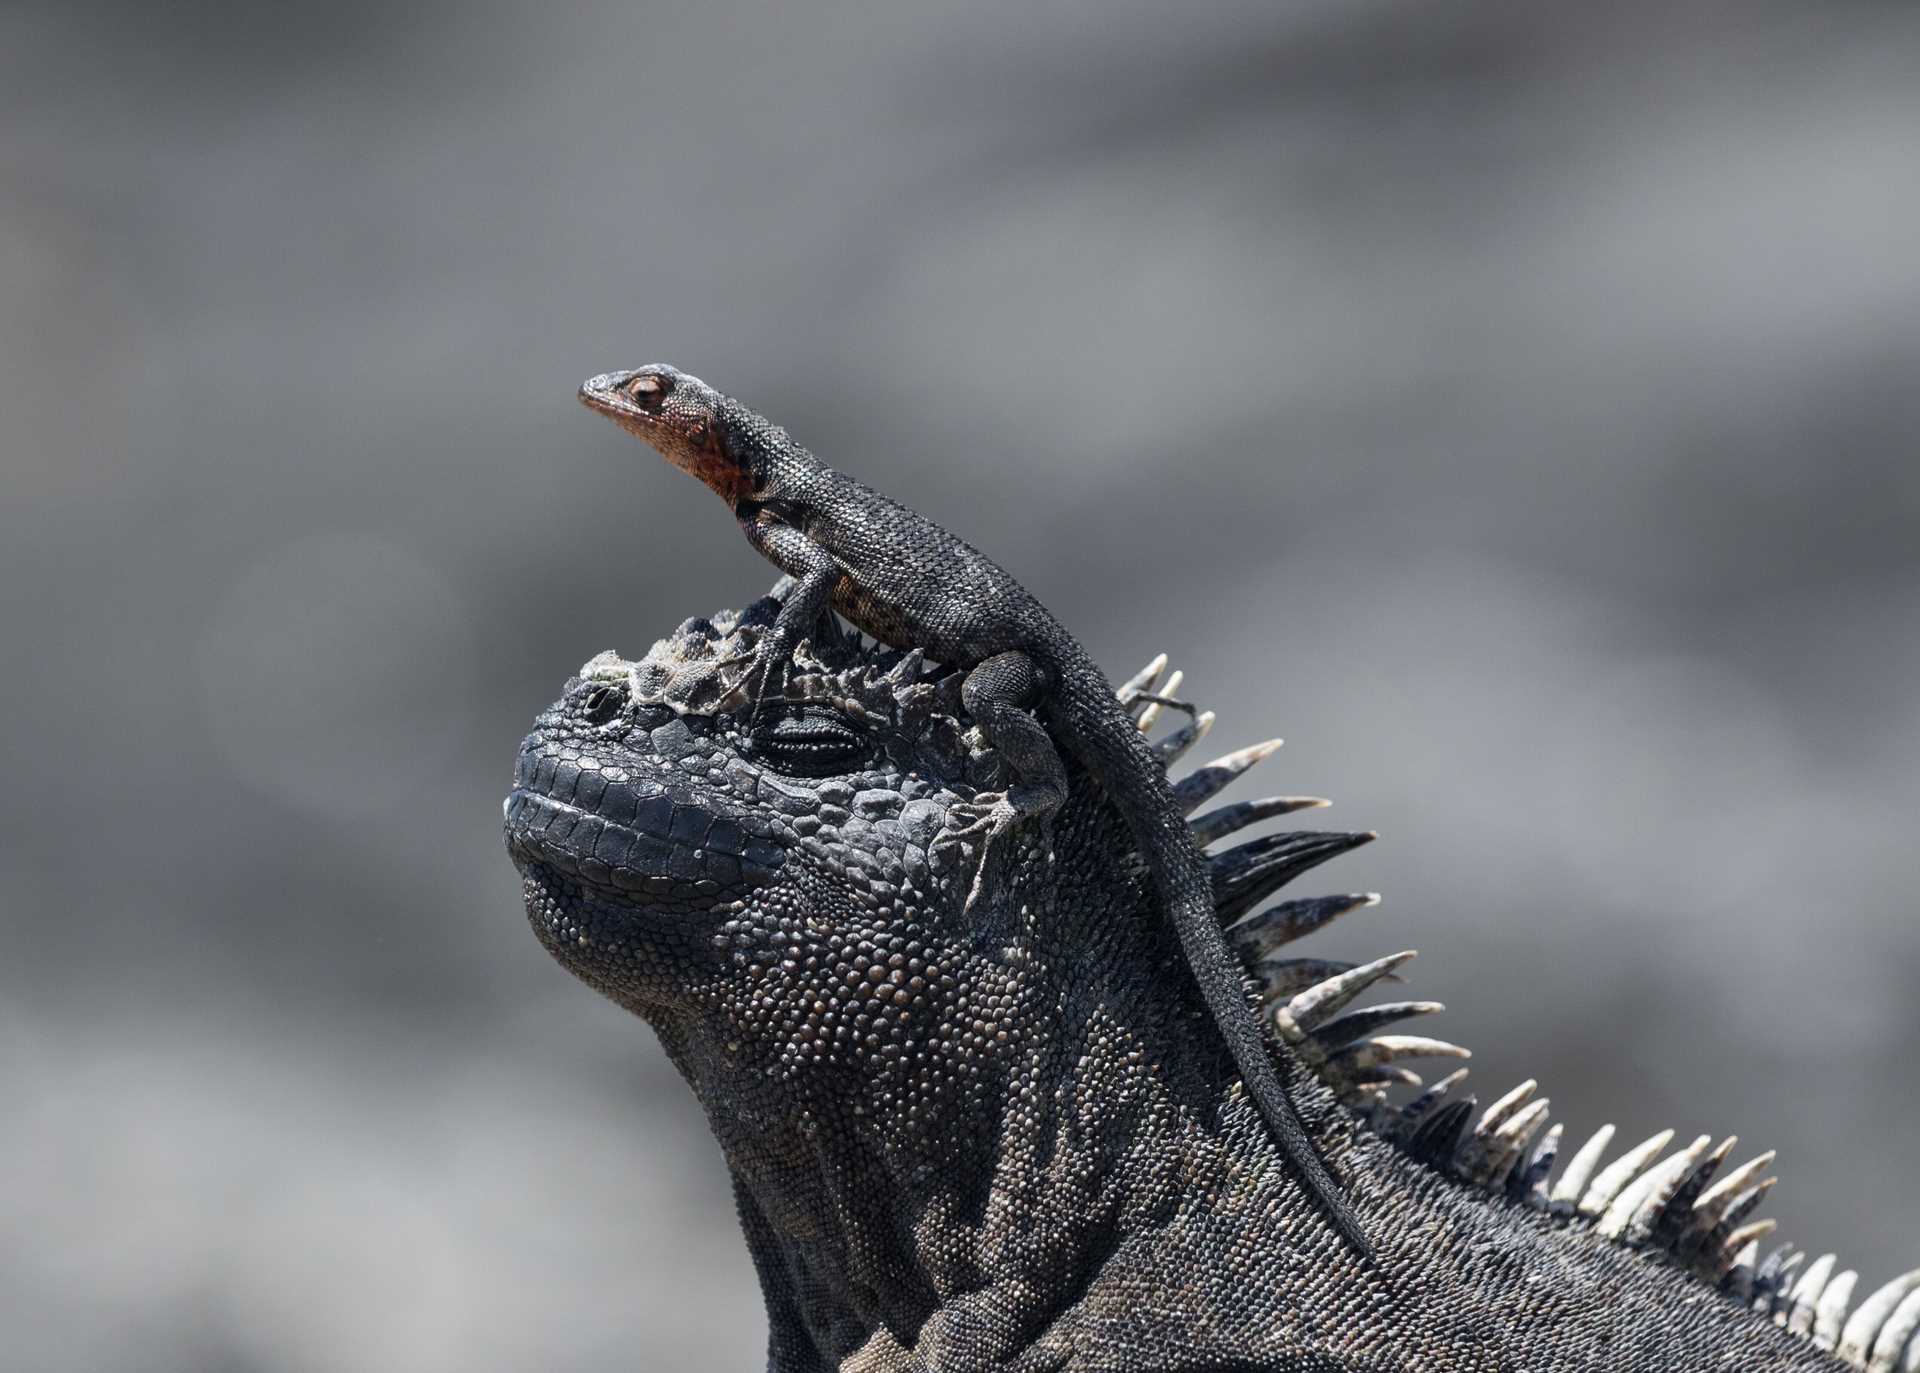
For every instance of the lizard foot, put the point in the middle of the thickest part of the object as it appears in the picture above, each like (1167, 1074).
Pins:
(1019, 805)
(765, 677)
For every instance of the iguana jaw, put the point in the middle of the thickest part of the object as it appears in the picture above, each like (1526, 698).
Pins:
(589, 808)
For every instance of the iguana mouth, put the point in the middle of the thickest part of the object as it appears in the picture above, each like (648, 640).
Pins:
(568, 813)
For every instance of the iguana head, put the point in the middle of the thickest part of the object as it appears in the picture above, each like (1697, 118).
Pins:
(782, 896)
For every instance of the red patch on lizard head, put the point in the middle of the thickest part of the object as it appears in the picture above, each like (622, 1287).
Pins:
(676, 414)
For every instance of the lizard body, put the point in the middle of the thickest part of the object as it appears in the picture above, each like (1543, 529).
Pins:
(1007, 1140)
(911, 584)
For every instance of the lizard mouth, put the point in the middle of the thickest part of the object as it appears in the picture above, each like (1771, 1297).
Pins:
(604, 393)
(570, 816)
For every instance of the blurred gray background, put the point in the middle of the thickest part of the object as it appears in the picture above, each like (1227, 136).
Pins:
(1512, 404)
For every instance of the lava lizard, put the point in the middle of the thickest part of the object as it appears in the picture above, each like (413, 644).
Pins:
(909, 583)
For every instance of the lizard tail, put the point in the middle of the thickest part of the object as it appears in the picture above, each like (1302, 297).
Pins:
(1125, 765)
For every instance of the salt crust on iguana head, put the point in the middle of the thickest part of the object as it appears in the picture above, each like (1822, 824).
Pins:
(1688, 1205)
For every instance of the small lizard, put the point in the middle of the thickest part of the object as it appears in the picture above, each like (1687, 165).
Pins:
(910, 584)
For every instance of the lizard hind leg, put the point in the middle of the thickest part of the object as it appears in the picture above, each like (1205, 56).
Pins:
(999, 694)
(770, 659)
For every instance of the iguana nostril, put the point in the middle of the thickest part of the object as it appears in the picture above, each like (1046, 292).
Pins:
(603, 703)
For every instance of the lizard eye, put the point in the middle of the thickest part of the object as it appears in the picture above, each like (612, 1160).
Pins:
(649, 390)
(810, 743)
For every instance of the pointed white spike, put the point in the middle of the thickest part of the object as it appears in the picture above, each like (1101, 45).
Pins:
(1540, 1164)
(1806, 1295)
(1375, 1083)
(1746, 1240)
(1830, 1316)
(1615, 1176)
(1752, 1231)
(1719, 1198)
(1693, 1225)
(1241, 759)
(1320, 1001)
(1144, 679)
(1894, 1334)
(1344, 1029)
(1417, 1110)
(1221, 821)
(1151, 715)
(1406, 1077)
(1175, 745)
(1283, 978)
(1718, 1155)
(1781, 1296)
(1580, 1167)
(1870, 1317)
(1699, 1233)
(1520, 1128)
(1740, 1272)
(1644, 1200)
(1208, 781)
(1383, 1049)
(1500, 1149)
(1503, 1110)
(1640, 1187)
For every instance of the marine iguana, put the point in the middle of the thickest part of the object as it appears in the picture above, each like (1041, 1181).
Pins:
(1009, 1139)
(909, 583)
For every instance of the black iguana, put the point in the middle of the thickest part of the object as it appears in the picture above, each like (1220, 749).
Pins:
(909, 583)
(1009, 1138)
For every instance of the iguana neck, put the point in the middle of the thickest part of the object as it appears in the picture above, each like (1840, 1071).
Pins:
(1115, 1132)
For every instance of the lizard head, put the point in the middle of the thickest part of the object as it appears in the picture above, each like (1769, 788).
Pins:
(682, 417)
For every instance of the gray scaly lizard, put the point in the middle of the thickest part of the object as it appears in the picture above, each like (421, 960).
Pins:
(1007, 1140)
(910, 584)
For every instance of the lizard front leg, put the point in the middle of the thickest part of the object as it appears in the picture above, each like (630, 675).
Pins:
(815, 573)
(999, 693)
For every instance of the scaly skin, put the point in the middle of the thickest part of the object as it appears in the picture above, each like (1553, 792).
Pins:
(1005, 1138)
(909, 583)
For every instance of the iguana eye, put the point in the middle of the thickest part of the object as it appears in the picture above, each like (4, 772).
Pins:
(603, 702)
(811, 742)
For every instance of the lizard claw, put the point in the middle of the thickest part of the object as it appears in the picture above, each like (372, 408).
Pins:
(766, 675)
(983, 822)
(1012, 807)
(765, 678)
(979, 883)
(1007, 813)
